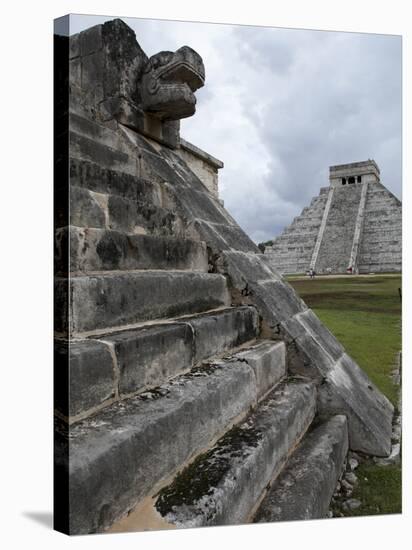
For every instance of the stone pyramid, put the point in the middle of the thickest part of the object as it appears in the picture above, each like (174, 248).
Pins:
(354, 224)
(191, 381)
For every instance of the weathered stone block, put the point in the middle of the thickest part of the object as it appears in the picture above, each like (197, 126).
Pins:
(90, 40)
(221, 331)
(223, 485)
(150, 356)
(306, 356)
(321, 334)
(347, 390)
(88, 371)
(305, 487)
(130, 216)
(246, 268)
(92, 71)
(123, 111)
(155, 168)
(125, 59)
(222, 236)
(92, 176)
(122, 214)
(268, 361)
(275, 300)
(83, 148)
(100, 134)
(97, 250)
(87, 209)
(115, 300)
(201, 205)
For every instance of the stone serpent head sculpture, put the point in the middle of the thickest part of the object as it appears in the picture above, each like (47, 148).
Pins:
(169, 81)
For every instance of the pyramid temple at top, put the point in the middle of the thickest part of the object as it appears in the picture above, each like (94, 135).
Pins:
(354, 224)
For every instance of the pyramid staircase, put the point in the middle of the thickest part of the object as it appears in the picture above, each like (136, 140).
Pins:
(174, 406)
(358, 226)
(381, 247)
(292, 250)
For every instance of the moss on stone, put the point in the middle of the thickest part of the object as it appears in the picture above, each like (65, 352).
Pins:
(207, 470)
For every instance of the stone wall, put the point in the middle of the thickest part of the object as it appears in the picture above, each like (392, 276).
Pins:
(204, 165)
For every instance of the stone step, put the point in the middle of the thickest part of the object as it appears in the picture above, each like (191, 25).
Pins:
(395, 267)
(102, 135)
(380, 257)
(384, 210)
(117, 299)
(91, 209)
(118, 364)
(305, 487)
(224, 485)
(387, 247)
(85, 146)
(92, 176)
(267, 358)
(101, 249)
(128, 450)
(385, 224)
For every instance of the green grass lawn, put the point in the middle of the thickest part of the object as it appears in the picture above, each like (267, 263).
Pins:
(364, 313)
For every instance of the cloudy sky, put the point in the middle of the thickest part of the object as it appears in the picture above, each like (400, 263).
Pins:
(281, 105)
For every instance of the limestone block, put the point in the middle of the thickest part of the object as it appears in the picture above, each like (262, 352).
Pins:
(87, 209)
(118, 299)
(202, 164)
(92, 71)
(84, 376)
(203, 206)
(122, 214)
(149, 356)
(268, 360)
(223, 485)
(246, 268)
(83, 148)
(222, 236)
(275, 300)
(305, 487)
(99, 249)
(321, 334)
(347, 390)
(217, 332)
(90, 40)
(306, 356)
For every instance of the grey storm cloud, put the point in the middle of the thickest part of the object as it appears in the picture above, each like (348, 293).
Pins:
(282, 105)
